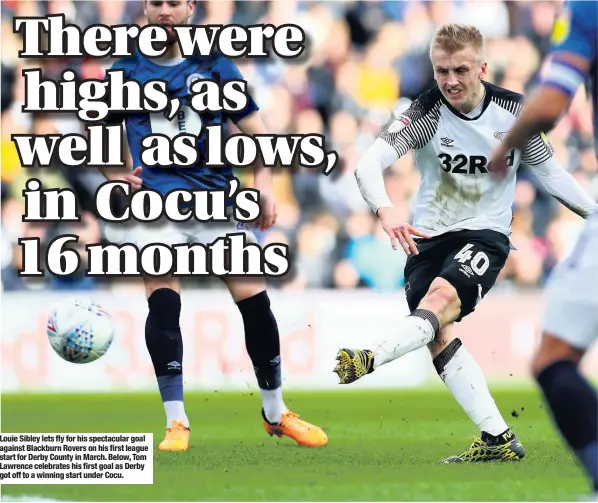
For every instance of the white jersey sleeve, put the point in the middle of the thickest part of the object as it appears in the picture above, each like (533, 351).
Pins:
(369, 175)
(571, 292)
(412, 130)
(539, 156)
(537, 151)
(415, 127)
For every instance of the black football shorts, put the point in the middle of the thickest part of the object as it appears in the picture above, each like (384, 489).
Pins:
(468, 260)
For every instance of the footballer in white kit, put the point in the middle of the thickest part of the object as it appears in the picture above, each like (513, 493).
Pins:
(465, 210)
(459, 240)
(570, 320)
(571, 292)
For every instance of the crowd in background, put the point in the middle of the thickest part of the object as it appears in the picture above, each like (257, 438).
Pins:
(366, 60)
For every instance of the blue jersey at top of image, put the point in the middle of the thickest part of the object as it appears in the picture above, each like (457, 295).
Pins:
(180, 75)
(576, 32)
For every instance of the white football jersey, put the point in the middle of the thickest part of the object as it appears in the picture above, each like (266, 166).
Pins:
(584, 255)
(572, 294)
(452, 152)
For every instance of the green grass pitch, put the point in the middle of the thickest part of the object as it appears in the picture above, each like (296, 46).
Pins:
(384, 445)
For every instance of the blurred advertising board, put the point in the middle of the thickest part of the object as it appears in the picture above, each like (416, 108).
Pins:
(502, 335)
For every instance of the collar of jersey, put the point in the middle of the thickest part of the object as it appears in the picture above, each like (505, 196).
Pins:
(487, 100)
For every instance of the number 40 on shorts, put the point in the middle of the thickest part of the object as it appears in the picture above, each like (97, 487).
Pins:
(479, 262)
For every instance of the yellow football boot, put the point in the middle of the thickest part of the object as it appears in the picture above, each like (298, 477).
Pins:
(353, 364)
(505, 447)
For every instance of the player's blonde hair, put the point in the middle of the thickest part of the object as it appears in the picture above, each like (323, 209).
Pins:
(455, 37)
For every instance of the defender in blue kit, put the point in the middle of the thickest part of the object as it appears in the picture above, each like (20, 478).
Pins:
(162, 330)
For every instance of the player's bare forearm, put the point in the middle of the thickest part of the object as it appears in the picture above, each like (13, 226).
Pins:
(262, 176)
(254, 125)
(551, 98)
(541, 113)
(116, 172)
(113, 173)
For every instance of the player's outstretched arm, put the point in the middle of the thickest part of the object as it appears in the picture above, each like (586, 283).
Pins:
(262, 177)
(538, 155)
(564, 188)
(567, 67)
(370, 180)
(369, 174)
(548, 102)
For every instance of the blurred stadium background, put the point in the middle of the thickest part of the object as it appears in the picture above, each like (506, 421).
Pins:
(367, 60)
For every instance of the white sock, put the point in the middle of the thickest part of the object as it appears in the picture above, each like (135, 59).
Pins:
(414, 333)
(175, 411)
(466, 381)
(273, 404)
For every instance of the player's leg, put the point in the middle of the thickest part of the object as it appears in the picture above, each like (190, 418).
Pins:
(439, 291)
(572, 400)
(468, 273)
(165, 345)
(439, 307)
(466, 381)
(262, 341)
(465, 276)
(451, 297)
(412, 332)
(570, 326)
(163, 333)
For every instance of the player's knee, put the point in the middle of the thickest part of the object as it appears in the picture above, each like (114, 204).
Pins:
(245, 288)
(153, 284)
(552, 350)
(443, 294)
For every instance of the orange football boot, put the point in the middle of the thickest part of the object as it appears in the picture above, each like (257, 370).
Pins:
(176, 439)
(291, 426)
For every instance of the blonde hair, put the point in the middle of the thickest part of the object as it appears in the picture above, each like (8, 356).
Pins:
(455, 37)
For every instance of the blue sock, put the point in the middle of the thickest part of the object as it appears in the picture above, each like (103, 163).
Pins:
(165, 345)
(589, 458)
(171, 391)
(573, 403)
(171, 388)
